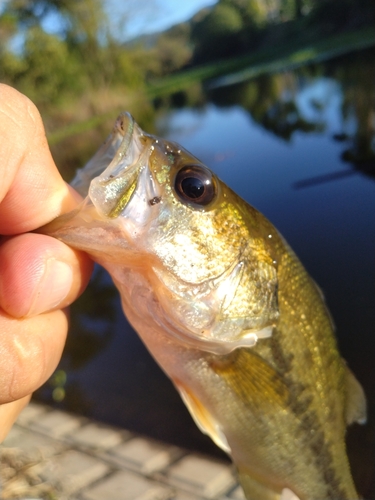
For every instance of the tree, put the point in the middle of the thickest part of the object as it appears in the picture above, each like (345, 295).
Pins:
(80, 54)
(218, 34)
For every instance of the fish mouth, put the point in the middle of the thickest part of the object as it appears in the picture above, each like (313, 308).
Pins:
(115, 148)
(116, 174)
(128, 151)
(112, 175)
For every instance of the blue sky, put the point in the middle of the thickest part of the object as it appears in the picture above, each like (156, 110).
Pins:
(147, 16)
(172, 11)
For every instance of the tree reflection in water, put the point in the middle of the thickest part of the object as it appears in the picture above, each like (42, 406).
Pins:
(273, 102)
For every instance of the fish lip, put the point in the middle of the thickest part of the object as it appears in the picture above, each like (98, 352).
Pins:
(110, 178)
(112, 190)
(115, 146)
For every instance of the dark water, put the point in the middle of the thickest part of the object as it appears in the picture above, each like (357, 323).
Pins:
(299, 146)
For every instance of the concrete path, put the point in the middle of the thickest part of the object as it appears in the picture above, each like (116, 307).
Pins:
(53, 455)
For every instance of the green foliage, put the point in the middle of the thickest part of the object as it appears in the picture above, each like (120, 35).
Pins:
(171, 52)
(234, 27)
(224, 20)
(287, 10)
(47, 70)
(124, 69)
(219, 33)
(252, 12)
(349, 14)
(80, 19)
(54, 68)
(8, 27)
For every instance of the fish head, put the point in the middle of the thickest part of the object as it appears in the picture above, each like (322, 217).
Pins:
(151, 205)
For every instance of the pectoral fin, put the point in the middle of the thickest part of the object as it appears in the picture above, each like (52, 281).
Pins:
(203, 419)
(356, 407)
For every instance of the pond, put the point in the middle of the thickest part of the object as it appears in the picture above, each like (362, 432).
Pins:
(299, 146)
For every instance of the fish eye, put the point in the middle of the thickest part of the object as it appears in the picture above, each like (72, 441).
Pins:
(195, 184)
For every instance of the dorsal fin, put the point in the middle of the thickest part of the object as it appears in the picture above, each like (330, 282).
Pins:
(356, 407)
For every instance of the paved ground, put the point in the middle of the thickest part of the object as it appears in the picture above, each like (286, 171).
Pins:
(54, 455)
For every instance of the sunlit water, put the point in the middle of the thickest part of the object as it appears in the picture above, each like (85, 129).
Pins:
(329, 220)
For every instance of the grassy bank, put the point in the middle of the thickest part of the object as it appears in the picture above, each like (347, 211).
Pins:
(269, 60)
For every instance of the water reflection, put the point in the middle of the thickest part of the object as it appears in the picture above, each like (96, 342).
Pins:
(264, 138)
(271, 101)
(301, 100)
(91, 331)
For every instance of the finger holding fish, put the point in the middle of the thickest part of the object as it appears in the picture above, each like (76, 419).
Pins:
(33, 291)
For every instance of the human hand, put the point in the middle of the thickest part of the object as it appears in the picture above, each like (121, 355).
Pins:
(39, 275)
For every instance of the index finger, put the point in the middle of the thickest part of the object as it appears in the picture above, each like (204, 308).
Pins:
(32, 191)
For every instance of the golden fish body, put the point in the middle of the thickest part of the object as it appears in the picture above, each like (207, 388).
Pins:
(227, 310)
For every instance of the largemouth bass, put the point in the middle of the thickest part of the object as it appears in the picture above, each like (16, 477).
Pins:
(227, 310)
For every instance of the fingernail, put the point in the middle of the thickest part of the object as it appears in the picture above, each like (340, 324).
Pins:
(54, 286)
